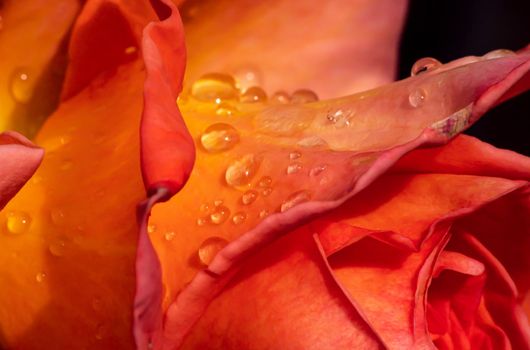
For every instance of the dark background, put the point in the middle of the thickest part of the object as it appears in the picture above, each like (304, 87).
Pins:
(450, 29)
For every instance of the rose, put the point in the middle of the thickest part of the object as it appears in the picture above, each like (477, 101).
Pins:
(102, 316)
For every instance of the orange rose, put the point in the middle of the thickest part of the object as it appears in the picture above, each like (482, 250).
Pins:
(288, 222)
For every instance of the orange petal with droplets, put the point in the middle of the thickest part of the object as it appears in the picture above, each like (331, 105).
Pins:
(30, 78)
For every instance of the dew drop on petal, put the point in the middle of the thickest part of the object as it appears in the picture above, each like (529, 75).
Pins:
(201, 221)
(169, 235)
(241, 171)
(424, 65)
(295, 199)
(266, 191)
(214, 87)
(317, 170)
(219, 137)
(498, 54)
(249, 197)
(57, 216)
(220, 214)
(265, 181)
(151, 228)
(40, 277)
(294, 155)
(57, 248)
(17, 222)
(209, 249)
(303, 96)
(21, 85)
(417, 98)
(280, 97)
(263, 214)
(254, 94)
(293, 168)
(239, 218)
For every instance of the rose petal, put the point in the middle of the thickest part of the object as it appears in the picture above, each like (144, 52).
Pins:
(329, 47)
(383, 128)
(19, 160)
(282, 298)
(31, 82)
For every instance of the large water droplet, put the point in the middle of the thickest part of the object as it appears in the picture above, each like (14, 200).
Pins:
(304, 96)
(280, 97)
(209, 249)
(417, 97)
(249, 197)
(239, 218)
(424, 65)
(498, 54)
(219, 137)
(253, 94)
(241, 171)
(220, 214)
(214, 87)
(17, 222)
(295, 199)
(57, 248)
(21, 85)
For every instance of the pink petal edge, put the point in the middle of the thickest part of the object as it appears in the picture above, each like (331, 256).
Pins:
(19, 160)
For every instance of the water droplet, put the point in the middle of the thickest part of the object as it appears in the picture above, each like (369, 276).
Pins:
(340, 118)
(130, 50)
(57, 248)
(266, 191)
(249, 197)
(317, 170)
(294, 155)
(304, 96)
(239, 218)
(241, 171)
(220, 214)
(18, 222)
(201, 221)
(219, 137)
(263, 214)
(225, 110)
(295, 199)
(169, 235)
(424, 65)
(312, 142)
(417, 98)
(151, 228)
(215, 87)
(253, 94)
(265, 181)
(293, 168)
(209, 249)
(57, 216)
(217, 202)
(40, 277)
(21, 85)
(280, 97)
(498, 54)
(205, 207)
